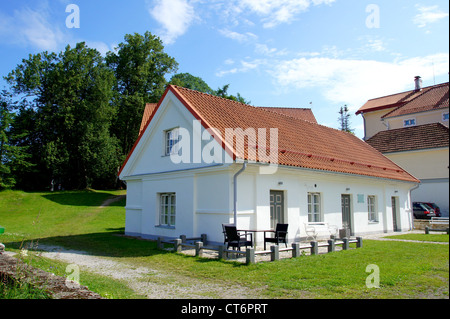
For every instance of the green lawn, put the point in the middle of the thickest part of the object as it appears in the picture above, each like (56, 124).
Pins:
(74, 220)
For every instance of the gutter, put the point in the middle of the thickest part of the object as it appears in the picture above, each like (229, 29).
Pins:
(244, 166)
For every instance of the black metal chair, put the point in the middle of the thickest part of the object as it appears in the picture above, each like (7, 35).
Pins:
(280, 235)
(234, 239)
(225, 238)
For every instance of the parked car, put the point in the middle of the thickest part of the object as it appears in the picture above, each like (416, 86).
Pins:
(436, 208)
(423, 211)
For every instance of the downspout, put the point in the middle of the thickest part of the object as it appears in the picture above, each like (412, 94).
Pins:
(244, 166)
(411, 210)
(365, 129)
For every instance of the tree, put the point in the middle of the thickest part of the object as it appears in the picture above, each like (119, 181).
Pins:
(71, 114)
(13, 158)
(344, 120)
(223, 92)
(189, 81)
(140, 66)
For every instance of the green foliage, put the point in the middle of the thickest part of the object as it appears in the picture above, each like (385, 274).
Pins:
(72, 114)
(189, 81)
(80, 113)
(344, 120)
(140, 66)
(223, 92)
(13, 157)
(74, 220)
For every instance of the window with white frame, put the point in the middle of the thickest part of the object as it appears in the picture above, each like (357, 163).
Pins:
(167, 209)
(372, 209)
(445, 116)
(409, 122)
(172, 137)
(314, 210)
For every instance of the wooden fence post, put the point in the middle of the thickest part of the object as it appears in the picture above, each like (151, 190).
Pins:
(250, 256)
(159, 243)
(345, 245)
(331, 245)
(198, 249)
(314, 248)
(177, 245)
(359, 242)
(222, 253)
(183, 239)
(204, 239)
(295, 250)
(274, 253)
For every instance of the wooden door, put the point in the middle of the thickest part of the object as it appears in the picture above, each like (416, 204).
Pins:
(276, 208)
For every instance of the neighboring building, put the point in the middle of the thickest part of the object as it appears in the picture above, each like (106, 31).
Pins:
(202, 161)
(411, 129)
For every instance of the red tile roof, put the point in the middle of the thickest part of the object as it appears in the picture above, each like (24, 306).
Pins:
(148, 112)
(420, 137)
(300, 143)
(431, 97)
(300, 113)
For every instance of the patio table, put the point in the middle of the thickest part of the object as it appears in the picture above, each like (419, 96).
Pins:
(256, 231)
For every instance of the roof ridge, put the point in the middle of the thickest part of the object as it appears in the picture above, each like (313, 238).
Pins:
(411, 91)
(285, 107)
(211, 95)
(422, 94)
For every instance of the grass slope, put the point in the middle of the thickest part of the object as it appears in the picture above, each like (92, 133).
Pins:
(75, 220)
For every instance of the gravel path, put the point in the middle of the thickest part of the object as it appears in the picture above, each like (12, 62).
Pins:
(152, 283)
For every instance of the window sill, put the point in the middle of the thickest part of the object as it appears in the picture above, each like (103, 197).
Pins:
(165, 226)
(373, 222)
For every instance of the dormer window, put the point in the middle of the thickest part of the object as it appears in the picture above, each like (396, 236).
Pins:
(445, 116)
(172, 137)
(409, 122)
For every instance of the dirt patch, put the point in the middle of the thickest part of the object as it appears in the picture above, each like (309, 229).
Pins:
(111, 200)
(56, 287)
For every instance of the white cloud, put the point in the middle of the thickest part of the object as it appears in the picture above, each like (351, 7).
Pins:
(353, 82)
(275, 12)
(240, 37)
(175, 17)
(428, 15)
(31, 27)
(245, 66)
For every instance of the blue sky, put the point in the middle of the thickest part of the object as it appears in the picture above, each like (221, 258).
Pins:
(321, 54)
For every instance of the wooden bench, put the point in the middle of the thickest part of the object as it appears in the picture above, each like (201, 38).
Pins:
(437, 224)
(314, 229)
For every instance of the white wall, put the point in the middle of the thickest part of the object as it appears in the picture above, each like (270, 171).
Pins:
(296, 183)
(434, 191)
(204, 191)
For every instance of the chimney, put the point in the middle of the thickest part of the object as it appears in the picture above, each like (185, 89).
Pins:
(418, 83)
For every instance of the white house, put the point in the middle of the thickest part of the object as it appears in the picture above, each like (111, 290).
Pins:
(411, 129)
(202, 161)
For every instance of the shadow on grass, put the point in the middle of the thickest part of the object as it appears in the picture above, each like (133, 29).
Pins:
(80, 198)
(112, 243)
